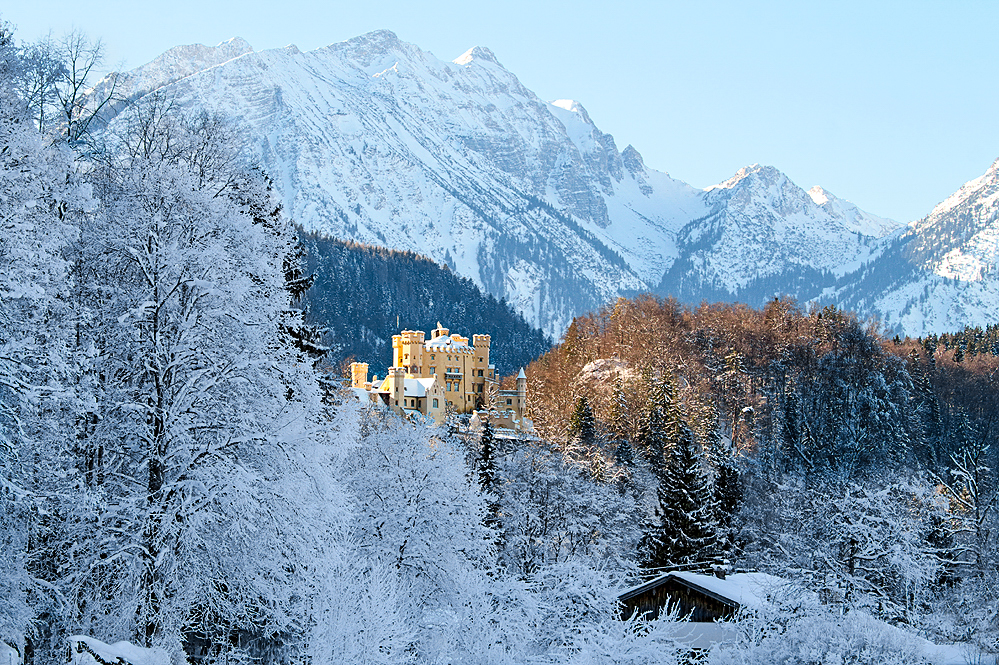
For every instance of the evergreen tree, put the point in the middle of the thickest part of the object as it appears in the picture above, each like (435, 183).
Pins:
(683, 529)
(726, 485)
(582, 425)
(489, 476)
(624, 453)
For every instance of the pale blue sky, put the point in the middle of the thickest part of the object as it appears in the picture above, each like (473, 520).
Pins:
(891, 105)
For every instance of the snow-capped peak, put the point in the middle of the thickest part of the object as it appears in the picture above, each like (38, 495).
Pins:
(753, 171)
(853, 218)
(819, 195)
(972, 189)
(174, 65)
(376, 140)
(476, 54)
(572, 106)
(376, 39)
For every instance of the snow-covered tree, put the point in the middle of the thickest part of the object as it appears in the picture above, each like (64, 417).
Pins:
(419, 520)
(582, 429)
(553, 511)
(201, 408)
(41, 204)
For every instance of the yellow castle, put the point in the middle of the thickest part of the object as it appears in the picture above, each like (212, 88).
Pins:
(441, 375)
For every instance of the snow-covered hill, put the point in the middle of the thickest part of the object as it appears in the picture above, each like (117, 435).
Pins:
(375, 140)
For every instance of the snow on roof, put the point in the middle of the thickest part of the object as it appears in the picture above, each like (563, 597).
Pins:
(9, 655)
(746, 589)
(448, 344)
(743, 589)
(521, 375)
(415, 388)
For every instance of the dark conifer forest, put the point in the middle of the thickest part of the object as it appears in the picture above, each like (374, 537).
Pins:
(363, 295)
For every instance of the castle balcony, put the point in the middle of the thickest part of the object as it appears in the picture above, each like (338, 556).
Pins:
(448, 374)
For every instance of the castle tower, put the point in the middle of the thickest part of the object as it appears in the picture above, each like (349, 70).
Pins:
(481, 345)
(358, 374)
(397, 381)
(396, 351)
(439, 331)
(407, 351)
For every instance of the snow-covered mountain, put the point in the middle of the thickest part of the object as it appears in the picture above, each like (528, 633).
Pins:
(940, 274)
(762, 227)
(375, 140)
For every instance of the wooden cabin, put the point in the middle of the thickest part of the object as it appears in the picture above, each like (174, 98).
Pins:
(692, 601)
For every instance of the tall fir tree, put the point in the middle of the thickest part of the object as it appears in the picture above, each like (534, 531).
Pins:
(683, 529)
(489, 474)
(582, 425)
(624, 453)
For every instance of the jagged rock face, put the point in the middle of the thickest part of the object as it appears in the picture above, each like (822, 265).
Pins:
(375, 140)
(941, 273)
(762, 225)
(959, 239)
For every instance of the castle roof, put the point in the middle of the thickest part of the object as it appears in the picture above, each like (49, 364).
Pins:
(447, 344)
(411, 388)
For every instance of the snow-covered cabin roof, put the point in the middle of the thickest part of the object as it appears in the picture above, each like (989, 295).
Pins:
(746, 589)
(738, 590)
(83, 648)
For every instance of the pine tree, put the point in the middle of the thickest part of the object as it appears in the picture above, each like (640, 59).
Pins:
(582, 425)
(489, 475)
(487, 458)
(726, 486)
(684, 528)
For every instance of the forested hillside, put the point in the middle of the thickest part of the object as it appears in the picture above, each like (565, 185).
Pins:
(363, 295)
(801, 443)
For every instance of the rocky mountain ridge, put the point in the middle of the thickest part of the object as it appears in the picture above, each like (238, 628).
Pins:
(375, 140)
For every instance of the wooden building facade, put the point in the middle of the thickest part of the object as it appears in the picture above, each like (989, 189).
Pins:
(693, 601)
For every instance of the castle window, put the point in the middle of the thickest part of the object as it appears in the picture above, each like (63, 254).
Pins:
(509, 401)
(435, 402)
(480, 372)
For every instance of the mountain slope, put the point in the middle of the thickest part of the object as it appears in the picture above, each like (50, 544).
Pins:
(940, 274)
(377, 141)
(764, 235)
